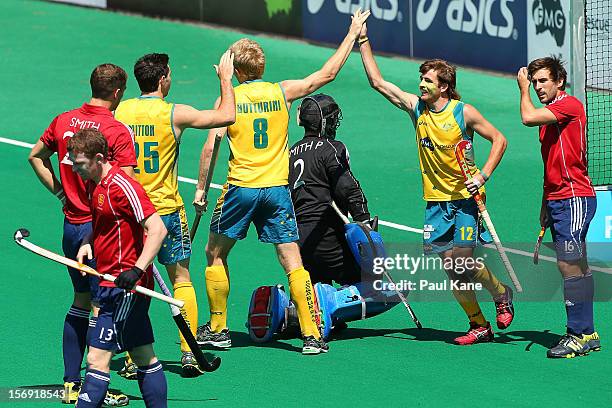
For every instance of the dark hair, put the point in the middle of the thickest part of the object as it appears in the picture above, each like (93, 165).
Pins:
(149, 69)
(89, 142)
(447, 75)
(106, 79)
(554, 65)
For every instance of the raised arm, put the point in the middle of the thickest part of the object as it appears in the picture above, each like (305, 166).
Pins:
(224, 113)
(477, 122)
(530, 115)
(403, 100)
(40, 160)
(298, 88)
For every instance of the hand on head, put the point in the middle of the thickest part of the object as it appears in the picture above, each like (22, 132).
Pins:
(522, 77)
(225, 69)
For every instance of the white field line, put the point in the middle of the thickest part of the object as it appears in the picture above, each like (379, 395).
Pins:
(389, 224)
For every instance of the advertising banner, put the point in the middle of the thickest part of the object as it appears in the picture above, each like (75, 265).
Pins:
(549, 30)
(490, 34)
(389, 25)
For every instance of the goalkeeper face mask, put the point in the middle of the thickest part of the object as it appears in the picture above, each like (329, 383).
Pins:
(320, 113)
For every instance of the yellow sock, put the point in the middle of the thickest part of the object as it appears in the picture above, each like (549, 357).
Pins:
(489, 281)
(217, 289)
(467, 300)
(185, 292)
(302, 294)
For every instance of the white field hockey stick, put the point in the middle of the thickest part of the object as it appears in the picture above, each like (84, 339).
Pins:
(20, 238)
(415, 319)
(211, 168)
(183, 327)
(460, 150)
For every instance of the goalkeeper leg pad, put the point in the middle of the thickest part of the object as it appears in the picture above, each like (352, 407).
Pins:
(352, 304)
(365, 244)
(327, 306)
(267, 312)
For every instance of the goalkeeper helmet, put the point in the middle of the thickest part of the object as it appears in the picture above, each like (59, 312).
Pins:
(320, 113)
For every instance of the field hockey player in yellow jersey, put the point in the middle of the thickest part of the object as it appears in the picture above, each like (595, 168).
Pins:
(452, 227)
(158, 126)
(257, 185)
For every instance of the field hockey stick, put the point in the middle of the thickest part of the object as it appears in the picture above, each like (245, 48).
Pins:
(460, 149)
(403, 299)
(211, 168)
(183, 327)
(536, 251)
(20, 238)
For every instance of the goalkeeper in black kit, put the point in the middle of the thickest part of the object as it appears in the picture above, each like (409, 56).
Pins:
(319, 174)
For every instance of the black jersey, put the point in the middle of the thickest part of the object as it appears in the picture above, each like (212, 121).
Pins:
(319, 172)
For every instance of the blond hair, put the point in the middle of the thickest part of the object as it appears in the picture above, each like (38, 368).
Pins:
(249, 58)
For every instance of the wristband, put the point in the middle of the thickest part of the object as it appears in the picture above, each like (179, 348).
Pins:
(484, 175)
(362, 40)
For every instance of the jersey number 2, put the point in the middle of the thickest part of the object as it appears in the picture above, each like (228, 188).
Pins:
(299, 183)
(151, 157)
(260, 133)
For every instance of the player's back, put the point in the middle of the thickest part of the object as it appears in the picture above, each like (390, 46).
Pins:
(63, 127)
(258, 139)
(150, 119)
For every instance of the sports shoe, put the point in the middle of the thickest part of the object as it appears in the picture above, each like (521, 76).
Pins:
(314, 346)
(205, 336)
(128, 371)
(190, 365)
(504, 309)
(569, 346)
(115, 399)
(592, 342)
(476, 334)
(71, 392)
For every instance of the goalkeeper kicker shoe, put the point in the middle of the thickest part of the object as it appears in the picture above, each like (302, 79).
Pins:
(115, 399)
(190, 365)
(504, 309)
(206, 337)
(314, 346)
(128, 371)
(476, 334)
(569, 346)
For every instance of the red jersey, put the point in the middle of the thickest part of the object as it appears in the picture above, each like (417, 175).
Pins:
(118, 206)
(564, 150)
(64, 126)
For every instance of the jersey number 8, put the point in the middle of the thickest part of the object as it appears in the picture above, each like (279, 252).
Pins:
(260, 133)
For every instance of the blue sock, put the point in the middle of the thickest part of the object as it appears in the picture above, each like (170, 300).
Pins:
(153, 386)
(94, 389)
(73, 342)
(90, 329)
(587, 311)
(573, 293)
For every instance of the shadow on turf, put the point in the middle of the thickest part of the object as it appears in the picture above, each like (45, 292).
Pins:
(240, 339)
(543, 338)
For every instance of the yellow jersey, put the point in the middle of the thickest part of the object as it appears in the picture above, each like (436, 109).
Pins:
(157, 149)
(437, 133)
(259, 154)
